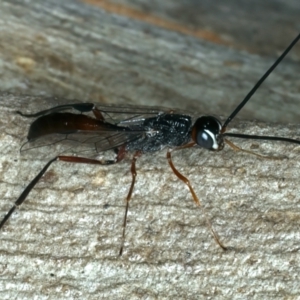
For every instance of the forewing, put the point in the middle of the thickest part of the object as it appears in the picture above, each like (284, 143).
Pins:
(127, 115)
(81, 143)
(92, 143)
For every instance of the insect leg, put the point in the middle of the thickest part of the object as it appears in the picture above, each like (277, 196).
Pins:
(237, 148)
(133, 173)
(97, 113)
(25, 193)
(32, 184)
(84, 160)
(195, 198)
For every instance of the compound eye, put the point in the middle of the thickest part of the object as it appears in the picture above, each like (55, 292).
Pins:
(205, 132)
(204, 140)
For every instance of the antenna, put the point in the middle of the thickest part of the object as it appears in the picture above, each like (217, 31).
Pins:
(259, 82)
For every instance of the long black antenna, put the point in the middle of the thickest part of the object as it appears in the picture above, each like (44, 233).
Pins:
(261, 137)
(259, 82)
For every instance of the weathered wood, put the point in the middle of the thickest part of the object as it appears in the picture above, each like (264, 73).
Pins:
(64, 241)
(74, 51)
(257, 27)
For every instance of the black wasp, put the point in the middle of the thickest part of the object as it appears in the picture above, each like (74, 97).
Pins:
(144, 130)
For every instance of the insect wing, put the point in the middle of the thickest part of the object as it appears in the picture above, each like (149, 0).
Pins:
(128, 115)
(83, 143)
(91, 143)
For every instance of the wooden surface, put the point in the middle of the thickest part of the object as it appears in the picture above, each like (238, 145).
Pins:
(64, 241)
(78, 51)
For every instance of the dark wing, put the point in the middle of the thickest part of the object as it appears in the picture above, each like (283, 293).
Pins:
(114, 114)
(92, 143)
(88, 144)
(130, 115)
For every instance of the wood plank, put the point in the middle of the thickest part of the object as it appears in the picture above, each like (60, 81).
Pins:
(64, 241)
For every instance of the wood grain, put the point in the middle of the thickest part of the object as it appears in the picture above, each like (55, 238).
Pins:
(64, 241)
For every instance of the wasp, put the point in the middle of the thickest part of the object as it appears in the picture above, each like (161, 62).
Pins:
(89, 130)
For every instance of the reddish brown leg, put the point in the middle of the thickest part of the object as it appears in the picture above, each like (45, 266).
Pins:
(195, 198)
(237, 148)
(97, 113)
(121, 153)
(83, 160)
(133, 173)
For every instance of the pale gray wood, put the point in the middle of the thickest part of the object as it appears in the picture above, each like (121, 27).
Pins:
(64, 241)
(71, 50)
(255, 26)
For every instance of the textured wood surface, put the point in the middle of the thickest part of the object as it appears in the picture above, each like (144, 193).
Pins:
(64, 241)
(78, 51)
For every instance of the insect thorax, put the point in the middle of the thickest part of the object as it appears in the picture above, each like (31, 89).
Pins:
(164, 130)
